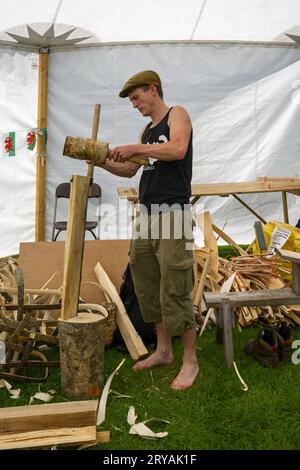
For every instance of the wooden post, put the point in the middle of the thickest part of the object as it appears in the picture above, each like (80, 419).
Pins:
(228, 345)
(73, 255)
(285, 207)
(219, 325)
(41, 146)
(296, 277)
(75, 234)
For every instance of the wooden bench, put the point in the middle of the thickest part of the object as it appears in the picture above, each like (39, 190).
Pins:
(224, 303)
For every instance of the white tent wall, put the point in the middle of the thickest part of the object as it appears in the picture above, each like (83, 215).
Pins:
(18, 105)
(243, 99)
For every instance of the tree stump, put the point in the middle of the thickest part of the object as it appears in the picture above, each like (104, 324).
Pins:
(81, 344)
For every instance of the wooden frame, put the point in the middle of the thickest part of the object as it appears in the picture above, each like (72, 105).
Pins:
(266, 185)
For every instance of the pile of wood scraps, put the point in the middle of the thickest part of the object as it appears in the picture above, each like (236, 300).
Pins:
(26, 326)
(242, 273)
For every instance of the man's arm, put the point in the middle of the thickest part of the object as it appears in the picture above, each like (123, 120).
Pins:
(175, 149)
(126, 169)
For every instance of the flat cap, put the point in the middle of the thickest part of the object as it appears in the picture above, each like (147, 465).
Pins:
(146, 77)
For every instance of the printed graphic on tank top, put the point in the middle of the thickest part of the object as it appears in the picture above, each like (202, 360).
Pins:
(165, 182)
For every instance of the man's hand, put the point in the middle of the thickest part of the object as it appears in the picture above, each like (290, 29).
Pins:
(121, 153)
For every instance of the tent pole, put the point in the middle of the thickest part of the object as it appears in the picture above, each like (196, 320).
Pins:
(41, 146)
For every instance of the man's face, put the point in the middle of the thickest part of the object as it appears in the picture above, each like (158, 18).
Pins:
(142, 100)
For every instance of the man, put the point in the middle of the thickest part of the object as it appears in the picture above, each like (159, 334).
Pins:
(162, 264)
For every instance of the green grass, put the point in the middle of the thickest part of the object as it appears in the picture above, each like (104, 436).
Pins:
(213, 414)
(228, 251)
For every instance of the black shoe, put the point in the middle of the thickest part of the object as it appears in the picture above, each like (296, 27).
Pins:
(284, 335)
(264, 349)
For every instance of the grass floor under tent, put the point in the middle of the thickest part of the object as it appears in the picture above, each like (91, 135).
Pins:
(215, 413)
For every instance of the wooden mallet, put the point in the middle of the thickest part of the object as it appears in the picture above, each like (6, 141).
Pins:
(95, 150)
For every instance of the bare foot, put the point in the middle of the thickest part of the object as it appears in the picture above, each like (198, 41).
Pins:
(156, 359)
(186, 376)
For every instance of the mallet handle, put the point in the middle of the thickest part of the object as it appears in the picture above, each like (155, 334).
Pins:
(140, 160)
(94, 135)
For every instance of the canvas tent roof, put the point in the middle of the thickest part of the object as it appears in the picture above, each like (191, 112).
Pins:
(243, 97)
(138, 20)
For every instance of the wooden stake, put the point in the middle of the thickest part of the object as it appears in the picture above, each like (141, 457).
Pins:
(41, 147)
(204, 222)
(201, 285)
(73, 256)
(74, 245)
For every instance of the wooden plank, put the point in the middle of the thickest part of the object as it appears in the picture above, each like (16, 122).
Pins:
(277, 178)
(293, 256)
(74, 414)
(40, 260)
(73, 256)
(47, 437)
(132, 340)
(254, 298)
(101, 437)
(245, 187)
(226, 189)
(204, 222)
(226, 286)
(216, 277)
(251, 310)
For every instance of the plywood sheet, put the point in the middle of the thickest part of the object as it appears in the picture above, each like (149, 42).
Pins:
(40, 260)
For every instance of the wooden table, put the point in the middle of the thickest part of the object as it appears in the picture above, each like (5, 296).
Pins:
(262, 185)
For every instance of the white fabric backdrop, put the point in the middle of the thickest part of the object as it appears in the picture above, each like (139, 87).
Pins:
(245, 106)
(244, 102)
(18, 105)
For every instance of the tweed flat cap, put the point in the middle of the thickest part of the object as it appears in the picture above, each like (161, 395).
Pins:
(146, 77)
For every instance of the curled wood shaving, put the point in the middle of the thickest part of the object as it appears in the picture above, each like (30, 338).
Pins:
(244, 385)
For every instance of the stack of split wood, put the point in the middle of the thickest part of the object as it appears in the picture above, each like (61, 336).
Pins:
(64, 424)
(244, 272)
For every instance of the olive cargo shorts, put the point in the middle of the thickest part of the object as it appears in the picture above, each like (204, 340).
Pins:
(162, 271)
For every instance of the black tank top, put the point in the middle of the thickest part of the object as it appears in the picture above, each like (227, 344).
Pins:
(165, 182)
